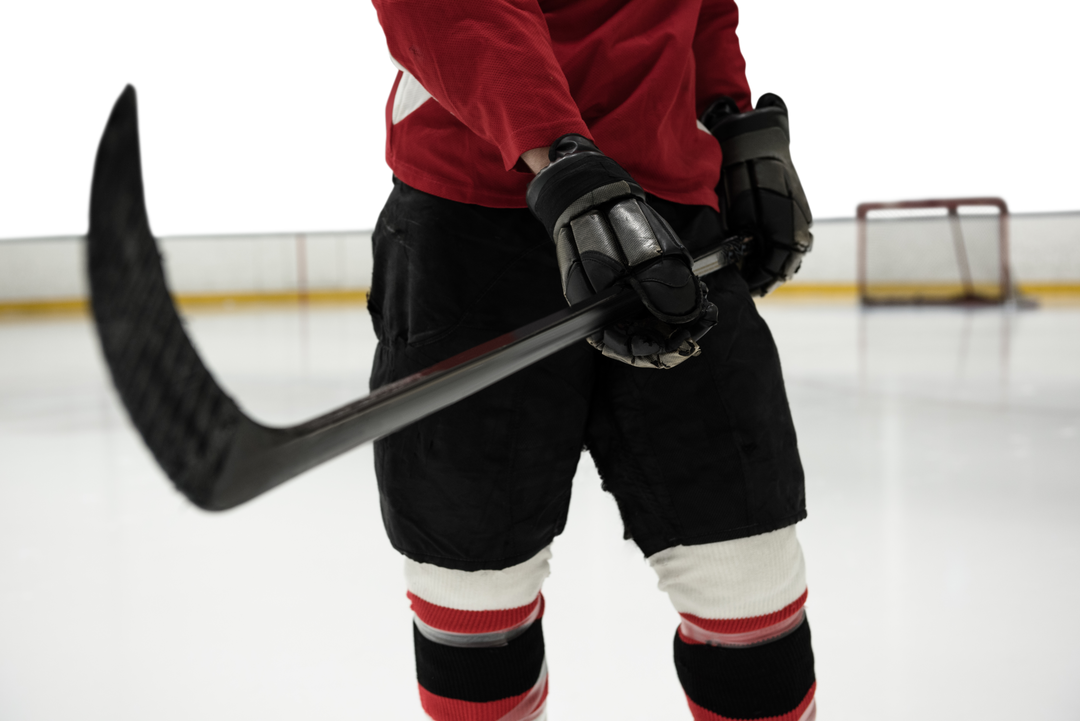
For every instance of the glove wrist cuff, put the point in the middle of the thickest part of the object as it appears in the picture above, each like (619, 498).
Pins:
(571, 144)
(575, 182)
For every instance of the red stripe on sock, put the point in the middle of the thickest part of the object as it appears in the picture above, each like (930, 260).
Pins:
(441, 708)
(703, 714)
(742, 625)
(456, 621)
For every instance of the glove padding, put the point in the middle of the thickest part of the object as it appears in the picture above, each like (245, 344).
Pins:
(605, 234)
(760, 193)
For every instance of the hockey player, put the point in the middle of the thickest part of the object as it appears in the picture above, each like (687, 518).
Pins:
(544, 150)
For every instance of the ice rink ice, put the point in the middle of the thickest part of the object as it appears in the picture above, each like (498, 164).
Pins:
(942, 451)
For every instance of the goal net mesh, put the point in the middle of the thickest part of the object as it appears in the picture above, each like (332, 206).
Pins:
(933, 252)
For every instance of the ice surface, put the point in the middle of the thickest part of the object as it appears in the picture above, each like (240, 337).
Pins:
(941, 446)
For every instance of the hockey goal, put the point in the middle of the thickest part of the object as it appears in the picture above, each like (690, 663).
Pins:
(943, 251)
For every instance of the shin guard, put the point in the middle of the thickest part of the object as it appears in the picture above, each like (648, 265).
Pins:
(773, 680)
(493, 683)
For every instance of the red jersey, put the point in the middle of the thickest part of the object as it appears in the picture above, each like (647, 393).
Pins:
(482, 81)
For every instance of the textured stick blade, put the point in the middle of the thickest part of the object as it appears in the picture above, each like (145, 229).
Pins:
(184, 417)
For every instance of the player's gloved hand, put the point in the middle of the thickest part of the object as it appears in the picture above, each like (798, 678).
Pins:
(760, 193)
(605, 234)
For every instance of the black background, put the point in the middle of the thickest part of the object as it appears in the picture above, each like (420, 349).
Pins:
(274, 120)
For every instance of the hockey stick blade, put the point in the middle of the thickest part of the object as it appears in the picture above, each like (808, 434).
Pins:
(216, 455)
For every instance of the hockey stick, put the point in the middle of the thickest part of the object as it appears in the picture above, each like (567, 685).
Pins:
(215, 454)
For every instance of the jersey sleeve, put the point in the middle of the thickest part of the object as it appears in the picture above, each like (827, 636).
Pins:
(490, 64)
(718, 61)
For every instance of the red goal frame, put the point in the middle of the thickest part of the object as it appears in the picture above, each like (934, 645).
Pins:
(952, 206)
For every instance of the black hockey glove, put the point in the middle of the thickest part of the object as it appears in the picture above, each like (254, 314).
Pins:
(760, 193)
(605, 234)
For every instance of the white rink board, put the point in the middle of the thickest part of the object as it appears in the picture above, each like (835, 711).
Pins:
(1045, 248)
(54, 268)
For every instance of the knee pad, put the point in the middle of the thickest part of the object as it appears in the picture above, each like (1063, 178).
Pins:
(736, 593)
(476, 609)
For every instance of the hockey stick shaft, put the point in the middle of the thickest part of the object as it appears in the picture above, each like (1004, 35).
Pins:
(396, 405)
(406, 401)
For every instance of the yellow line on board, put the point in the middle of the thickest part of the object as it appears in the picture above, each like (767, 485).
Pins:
(796, 291)
(37, 307)
(941, 291)
(1058, 293)
(193, 301)
(287, 298)
(1050, 288)
(840, 290)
